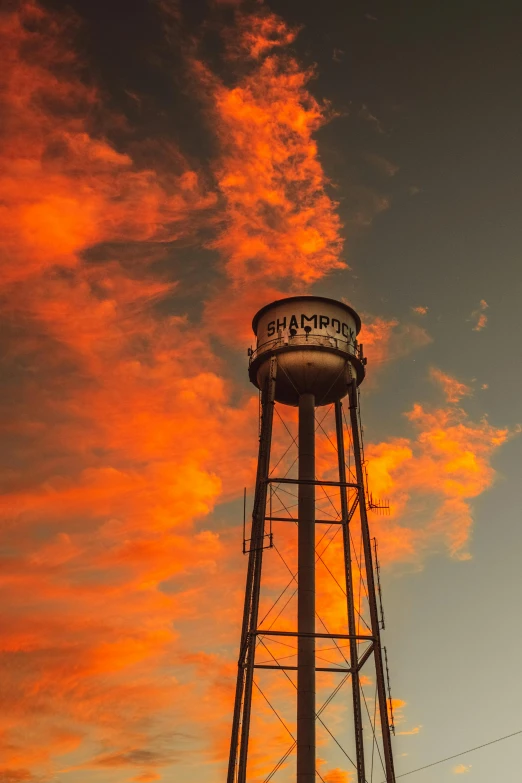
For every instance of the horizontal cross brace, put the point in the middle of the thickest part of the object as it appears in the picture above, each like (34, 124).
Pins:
(316, 482)
(317, 521)
(294, 668)
(363, 638)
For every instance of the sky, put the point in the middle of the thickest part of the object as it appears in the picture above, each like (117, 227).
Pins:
(167, 168)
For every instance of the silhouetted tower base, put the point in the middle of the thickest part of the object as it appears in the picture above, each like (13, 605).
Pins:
(307, 356)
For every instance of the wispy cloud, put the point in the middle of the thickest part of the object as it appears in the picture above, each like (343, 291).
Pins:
(337, 776)
(383, 165)
(433, 477)
(453, 389)
(479, 317)
(410, 732)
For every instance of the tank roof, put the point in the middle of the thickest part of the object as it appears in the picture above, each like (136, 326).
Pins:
(305, 298)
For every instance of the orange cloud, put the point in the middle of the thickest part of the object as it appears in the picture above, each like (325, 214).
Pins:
(107, 391)
(387, 340)
(337, 776)
(420, 310)
(481, 323)
(280, 227)
(479, 316)
(452, 388)
(375, 336)
(431, 479)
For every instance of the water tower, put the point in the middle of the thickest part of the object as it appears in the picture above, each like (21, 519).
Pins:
(307, 356)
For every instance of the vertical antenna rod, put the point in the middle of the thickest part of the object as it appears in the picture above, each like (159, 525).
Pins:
(378, 572)
(392, 719)
(306, 594)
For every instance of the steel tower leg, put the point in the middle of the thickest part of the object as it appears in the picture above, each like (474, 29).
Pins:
(237, 766)
(352, 625)
(370, 582)
(306, 594)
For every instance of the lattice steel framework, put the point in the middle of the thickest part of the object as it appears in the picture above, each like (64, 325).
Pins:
(349, 487)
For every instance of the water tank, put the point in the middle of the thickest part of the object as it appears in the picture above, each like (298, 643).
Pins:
(315, 341)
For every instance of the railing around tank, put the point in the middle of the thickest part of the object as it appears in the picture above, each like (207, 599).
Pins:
(327, 341)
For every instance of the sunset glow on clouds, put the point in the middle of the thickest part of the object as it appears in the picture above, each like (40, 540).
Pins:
(279, 230)
(124, 425)
(479, 316)
(453, 389)
(444, 465)
(337, 776)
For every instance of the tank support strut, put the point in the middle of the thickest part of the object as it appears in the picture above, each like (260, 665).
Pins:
(370, 583)
(237, 766)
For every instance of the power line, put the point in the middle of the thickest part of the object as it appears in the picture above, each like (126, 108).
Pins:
(456, 755)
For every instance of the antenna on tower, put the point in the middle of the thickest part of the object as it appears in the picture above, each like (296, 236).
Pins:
(380, 507)
(390, 700)
(378, 572)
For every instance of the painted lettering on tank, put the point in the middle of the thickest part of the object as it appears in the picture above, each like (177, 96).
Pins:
(306, 318)
(312, 322)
